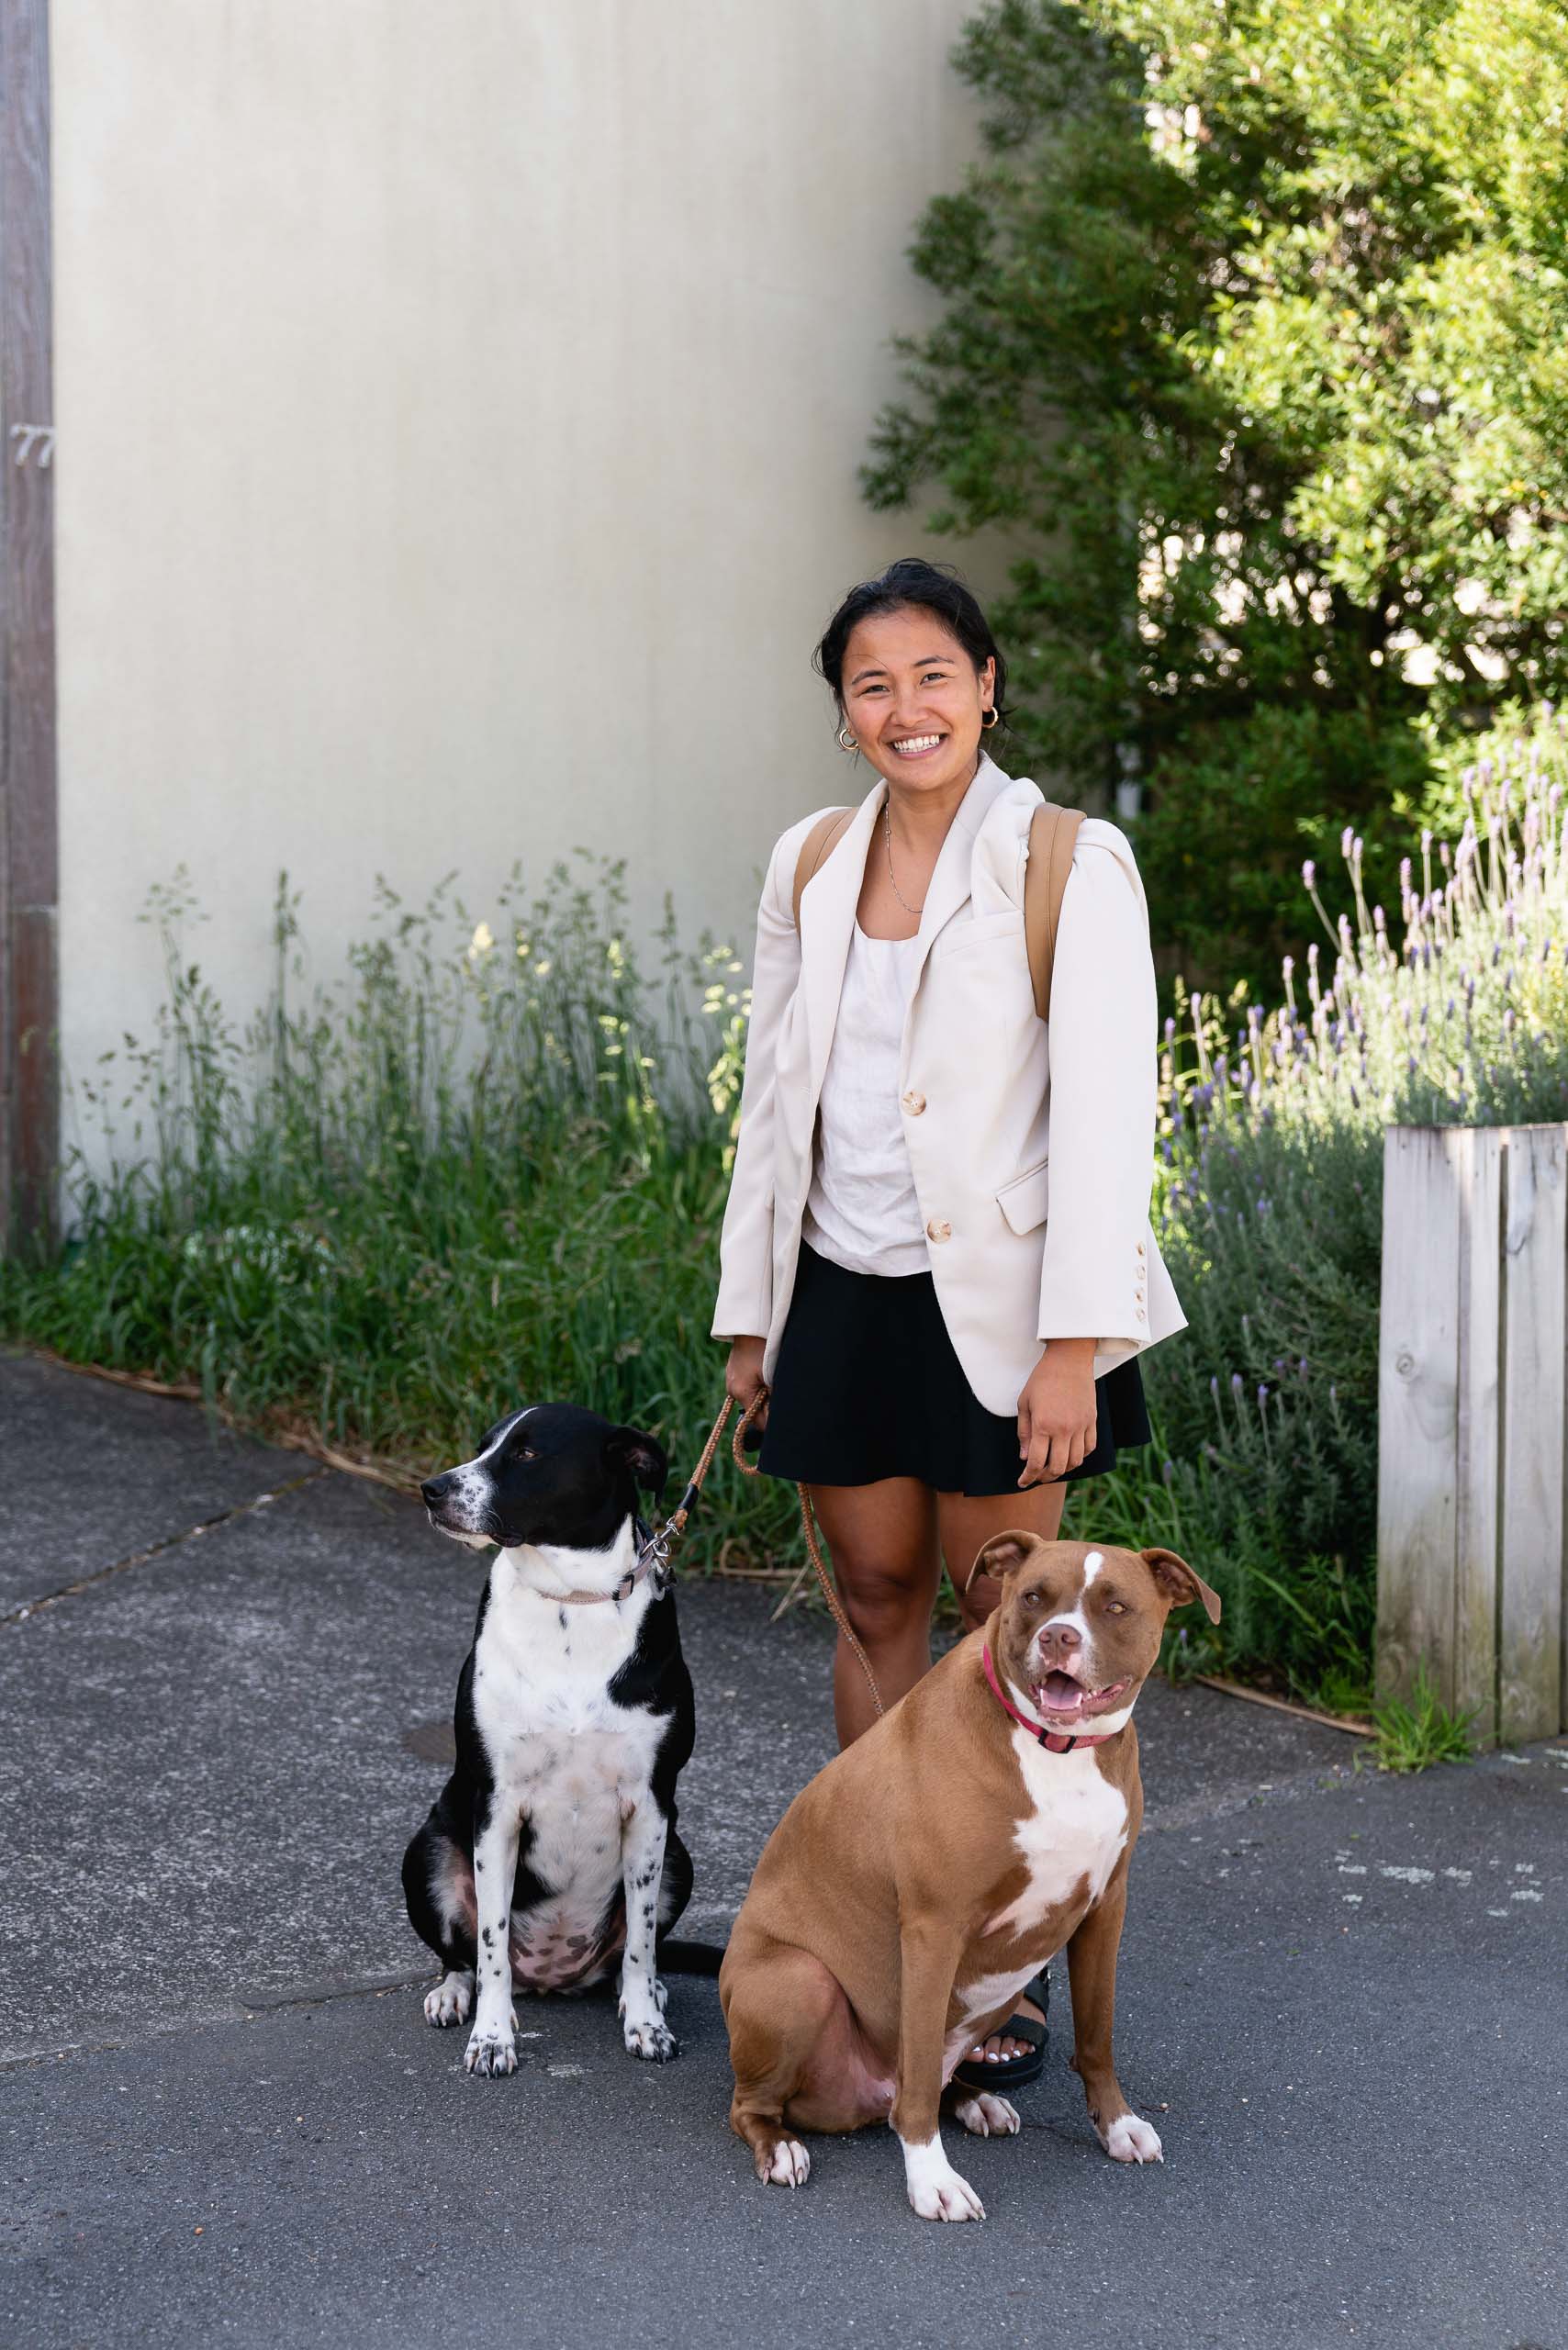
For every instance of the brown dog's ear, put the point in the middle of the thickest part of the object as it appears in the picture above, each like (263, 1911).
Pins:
(1179, 1583)
(1001, 1555)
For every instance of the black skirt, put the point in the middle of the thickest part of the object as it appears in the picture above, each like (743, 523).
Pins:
(868, 1385)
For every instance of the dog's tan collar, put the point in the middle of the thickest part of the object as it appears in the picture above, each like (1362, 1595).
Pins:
(650, 1560)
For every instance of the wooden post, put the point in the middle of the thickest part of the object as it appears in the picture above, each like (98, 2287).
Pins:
(1529, 1548)
(1478, 1154)
(1473, 1400)
(1418, 1407)
(29, 862)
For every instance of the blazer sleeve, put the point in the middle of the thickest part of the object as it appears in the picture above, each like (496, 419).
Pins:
(744, 1304)
(1103, 1048)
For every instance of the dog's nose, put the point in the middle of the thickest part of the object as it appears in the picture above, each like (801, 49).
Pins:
(1064, 1638)
(434, 1489)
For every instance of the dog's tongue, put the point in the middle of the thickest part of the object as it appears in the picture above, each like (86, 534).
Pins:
(1062, 1694)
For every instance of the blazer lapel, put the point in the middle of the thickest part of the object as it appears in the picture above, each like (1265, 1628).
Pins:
(950, 881)
(827, 924)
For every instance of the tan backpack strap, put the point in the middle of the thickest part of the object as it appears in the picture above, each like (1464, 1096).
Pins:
(817, 848)
(1053, 835)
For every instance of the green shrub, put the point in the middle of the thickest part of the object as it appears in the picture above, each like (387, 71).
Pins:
(1248, 337)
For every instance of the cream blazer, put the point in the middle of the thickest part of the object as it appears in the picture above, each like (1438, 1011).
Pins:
(1033, 1150)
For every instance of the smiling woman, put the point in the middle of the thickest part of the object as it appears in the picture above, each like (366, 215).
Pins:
(936, 1253)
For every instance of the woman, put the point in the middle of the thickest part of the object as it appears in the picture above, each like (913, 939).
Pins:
(941, 1354)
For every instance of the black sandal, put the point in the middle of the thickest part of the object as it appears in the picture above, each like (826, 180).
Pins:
(1013, 2071)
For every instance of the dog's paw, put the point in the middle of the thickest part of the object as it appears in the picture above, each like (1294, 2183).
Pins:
(936, 2191)
(451, 2000)
(490, 2052)
(645, 1993)
(784, 2163)
(1128, 2140)
(650, 2037)
(986, 2115)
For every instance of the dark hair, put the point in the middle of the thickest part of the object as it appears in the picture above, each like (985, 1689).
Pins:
(934, 588)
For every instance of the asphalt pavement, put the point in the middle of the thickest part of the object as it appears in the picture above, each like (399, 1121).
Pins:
(227, 1677)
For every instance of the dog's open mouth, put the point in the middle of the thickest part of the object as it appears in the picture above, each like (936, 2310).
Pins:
(1062, 1698)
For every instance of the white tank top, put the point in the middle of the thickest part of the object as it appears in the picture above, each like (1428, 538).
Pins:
(861, 1210)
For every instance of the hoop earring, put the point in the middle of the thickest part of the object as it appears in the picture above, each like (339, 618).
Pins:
(846, 741)
(991, 717)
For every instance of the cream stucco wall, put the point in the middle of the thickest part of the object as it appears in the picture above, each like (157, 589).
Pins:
(459, 404)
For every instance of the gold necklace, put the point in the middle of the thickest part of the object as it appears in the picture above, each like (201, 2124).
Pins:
(888, 828)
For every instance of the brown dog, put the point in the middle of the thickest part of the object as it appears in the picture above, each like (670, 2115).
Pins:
(914, 1887)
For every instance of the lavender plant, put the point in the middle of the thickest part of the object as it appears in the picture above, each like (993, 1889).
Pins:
(1269, 1201)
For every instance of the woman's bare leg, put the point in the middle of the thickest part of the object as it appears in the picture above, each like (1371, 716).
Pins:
(885, 1557)
(967, 1523)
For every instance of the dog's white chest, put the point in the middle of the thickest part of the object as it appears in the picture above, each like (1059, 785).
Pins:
(562, 1753)
(1071, 1836)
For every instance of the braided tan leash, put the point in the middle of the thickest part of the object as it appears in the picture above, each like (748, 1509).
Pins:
(674, 1526)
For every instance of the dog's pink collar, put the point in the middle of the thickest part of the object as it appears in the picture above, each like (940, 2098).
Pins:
(1053, 1740)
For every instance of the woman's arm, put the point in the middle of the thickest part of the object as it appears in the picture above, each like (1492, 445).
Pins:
(744, 1304)
(1104, 1078)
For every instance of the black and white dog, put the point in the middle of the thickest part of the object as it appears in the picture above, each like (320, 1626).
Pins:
(551, 1852)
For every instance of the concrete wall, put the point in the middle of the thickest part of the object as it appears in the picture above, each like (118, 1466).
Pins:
(459, 404)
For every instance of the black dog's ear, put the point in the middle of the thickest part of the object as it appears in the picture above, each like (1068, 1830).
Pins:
(642, 1456)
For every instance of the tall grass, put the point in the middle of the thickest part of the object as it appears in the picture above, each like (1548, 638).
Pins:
(489, 1166)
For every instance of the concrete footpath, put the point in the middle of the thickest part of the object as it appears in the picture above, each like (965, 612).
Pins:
(227, 1678)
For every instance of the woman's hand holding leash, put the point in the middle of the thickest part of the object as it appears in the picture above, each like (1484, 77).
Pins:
(743, 1382)
(1057, 1412)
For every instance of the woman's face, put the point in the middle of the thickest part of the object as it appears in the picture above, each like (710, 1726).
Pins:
(914, 700)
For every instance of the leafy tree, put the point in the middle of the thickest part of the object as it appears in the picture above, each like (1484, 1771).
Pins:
(1254, 351)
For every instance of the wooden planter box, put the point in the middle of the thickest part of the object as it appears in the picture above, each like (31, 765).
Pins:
(1472, 1405)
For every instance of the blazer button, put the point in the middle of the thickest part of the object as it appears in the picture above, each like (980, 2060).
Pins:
(914, 1103)
(938, 1229)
